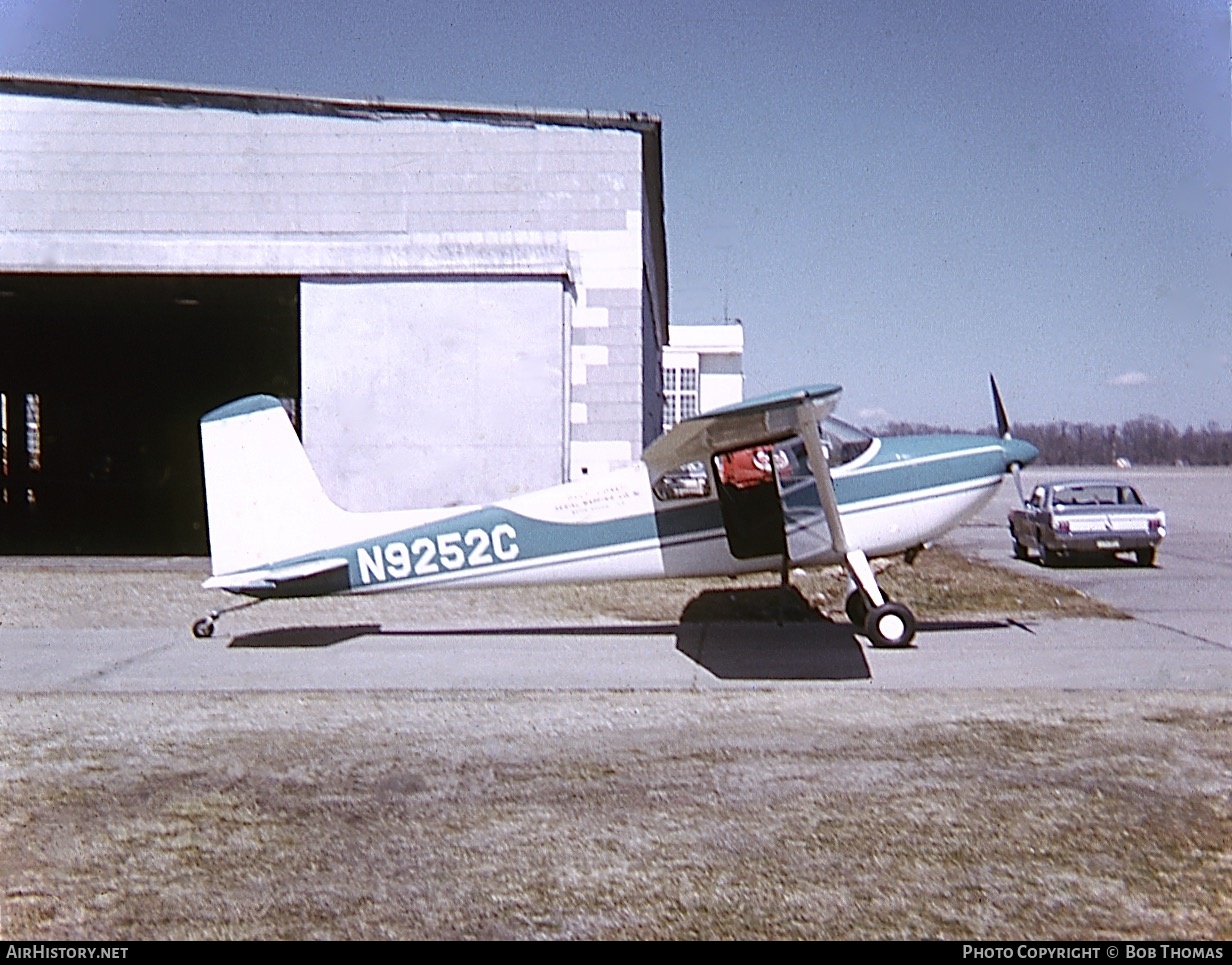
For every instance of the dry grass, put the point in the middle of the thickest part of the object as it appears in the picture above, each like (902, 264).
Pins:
(788, 813)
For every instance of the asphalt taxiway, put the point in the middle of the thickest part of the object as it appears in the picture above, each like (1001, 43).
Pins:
(1188, 594)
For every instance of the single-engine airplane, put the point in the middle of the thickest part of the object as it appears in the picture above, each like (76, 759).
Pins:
(767, 484)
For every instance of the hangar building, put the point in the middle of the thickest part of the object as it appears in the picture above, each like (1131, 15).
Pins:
(455, 304)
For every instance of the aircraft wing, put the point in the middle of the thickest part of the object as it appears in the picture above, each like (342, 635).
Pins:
(754, 422)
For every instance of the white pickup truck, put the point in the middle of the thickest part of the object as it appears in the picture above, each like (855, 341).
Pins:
(1063, 519)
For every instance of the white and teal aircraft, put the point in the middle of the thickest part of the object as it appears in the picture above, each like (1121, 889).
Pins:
(765, 485)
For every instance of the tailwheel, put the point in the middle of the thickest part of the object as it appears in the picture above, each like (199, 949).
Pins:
(203, 629)
(890, 625)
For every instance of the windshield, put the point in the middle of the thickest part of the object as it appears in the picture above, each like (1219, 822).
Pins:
(844, 440)
(756, 465)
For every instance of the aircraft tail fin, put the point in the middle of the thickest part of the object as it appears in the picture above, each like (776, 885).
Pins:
(263, 501)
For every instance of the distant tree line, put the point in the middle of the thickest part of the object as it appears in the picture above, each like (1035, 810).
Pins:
(1145, 441)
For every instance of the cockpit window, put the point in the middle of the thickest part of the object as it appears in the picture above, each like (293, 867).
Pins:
(844, 440)
(756, 466)
(689, 481)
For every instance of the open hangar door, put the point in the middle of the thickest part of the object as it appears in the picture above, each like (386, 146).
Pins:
(103, 379)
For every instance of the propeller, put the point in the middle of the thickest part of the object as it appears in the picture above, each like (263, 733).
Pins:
(1003, 430)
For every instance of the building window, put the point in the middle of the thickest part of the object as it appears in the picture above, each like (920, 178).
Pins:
(679, 395)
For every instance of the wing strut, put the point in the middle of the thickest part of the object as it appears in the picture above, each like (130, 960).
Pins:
(856, 562)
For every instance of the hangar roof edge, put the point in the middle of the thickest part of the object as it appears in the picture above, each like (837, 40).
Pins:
(172, 95)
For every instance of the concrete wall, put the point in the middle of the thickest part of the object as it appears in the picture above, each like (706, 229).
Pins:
(505, 235)
(424, 392)
(92, 185)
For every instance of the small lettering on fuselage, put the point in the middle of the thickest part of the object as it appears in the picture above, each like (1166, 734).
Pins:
(580, 502)
(446, 552)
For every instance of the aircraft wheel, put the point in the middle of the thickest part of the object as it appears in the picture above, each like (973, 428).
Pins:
(857, 608)
(203, 628)
(890, 625)
(1145, 556)
(1020, 550)
(1047, 557)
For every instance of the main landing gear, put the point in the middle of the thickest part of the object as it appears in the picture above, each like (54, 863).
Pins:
(887, 623)
(890, 625)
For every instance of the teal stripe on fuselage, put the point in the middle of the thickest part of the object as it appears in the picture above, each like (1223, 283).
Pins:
(469, 543)
(920, 462)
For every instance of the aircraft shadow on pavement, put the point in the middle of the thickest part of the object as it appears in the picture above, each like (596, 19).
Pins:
(285, 638)
(774, 634)
(767, 634)
(309, 637)
(732, 644)
(748, 634)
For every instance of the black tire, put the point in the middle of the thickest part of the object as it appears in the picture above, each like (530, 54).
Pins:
(1145, 556)
(1047, 556)
(857, 609)
(890, 625)
(203, 629)
(1020, 550)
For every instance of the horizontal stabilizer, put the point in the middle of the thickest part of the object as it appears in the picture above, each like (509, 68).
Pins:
(312, 578)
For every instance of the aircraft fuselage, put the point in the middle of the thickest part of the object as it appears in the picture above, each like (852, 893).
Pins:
(899, 494)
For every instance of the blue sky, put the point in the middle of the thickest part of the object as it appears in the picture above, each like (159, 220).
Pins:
(896, 195)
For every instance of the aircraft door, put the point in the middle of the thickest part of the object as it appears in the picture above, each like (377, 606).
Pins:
(750, 502)
(770, 503)
(806, 531)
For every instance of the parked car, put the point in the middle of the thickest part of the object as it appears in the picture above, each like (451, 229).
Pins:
(1063, 519)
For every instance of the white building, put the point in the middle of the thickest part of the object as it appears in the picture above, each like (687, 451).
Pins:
(703, 369)
(459, 303)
